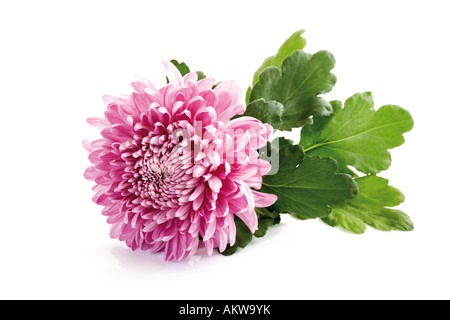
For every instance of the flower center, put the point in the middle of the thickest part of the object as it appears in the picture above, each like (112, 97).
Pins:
(153, 177)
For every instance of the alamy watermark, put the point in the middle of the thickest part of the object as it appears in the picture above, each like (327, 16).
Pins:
(234, 146)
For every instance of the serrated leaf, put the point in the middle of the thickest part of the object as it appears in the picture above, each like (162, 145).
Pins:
(297, 87)
(306, 187)
(372, 206)
(266, 219)
(265, 111)
(294, 42)
(357, 135)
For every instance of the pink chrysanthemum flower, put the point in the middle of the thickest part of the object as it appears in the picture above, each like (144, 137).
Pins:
(172, 170)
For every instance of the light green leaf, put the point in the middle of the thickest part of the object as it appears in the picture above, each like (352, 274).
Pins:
(297, 87)
(306, 187)
(357, 135)
(266, 111)
(294, 42)
(372, 207)
(200, 75)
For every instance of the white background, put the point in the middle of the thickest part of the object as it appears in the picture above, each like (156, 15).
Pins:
(57, 60)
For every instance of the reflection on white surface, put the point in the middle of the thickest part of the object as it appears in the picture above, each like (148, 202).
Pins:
(54, 241)
(143, 261)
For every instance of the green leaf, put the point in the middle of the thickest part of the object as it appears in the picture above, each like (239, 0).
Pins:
(184, 70)
(247, 95)
(266, 218)
(371, 207)
(306, 187)
(357, 135)
(243, 237)
(200, 75)
(265, 111)
(216, 84)
(297, 86)
(181, 66)
(294, 42)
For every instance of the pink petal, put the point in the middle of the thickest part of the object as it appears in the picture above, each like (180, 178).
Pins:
(98, 123)
(263, 200)
(172, 73)
(229, 95)
(215, 184)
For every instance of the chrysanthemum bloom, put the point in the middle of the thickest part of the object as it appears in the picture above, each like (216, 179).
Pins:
(172, 170)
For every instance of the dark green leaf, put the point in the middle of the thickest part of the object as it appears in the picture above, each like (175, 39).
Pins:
(306, 187)
(184, 70)
(371, 207)
(243, 237)
(181, 66)
(266, 218)
(297, 87)
(216, 84)
(357, 135)
(265, 111)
